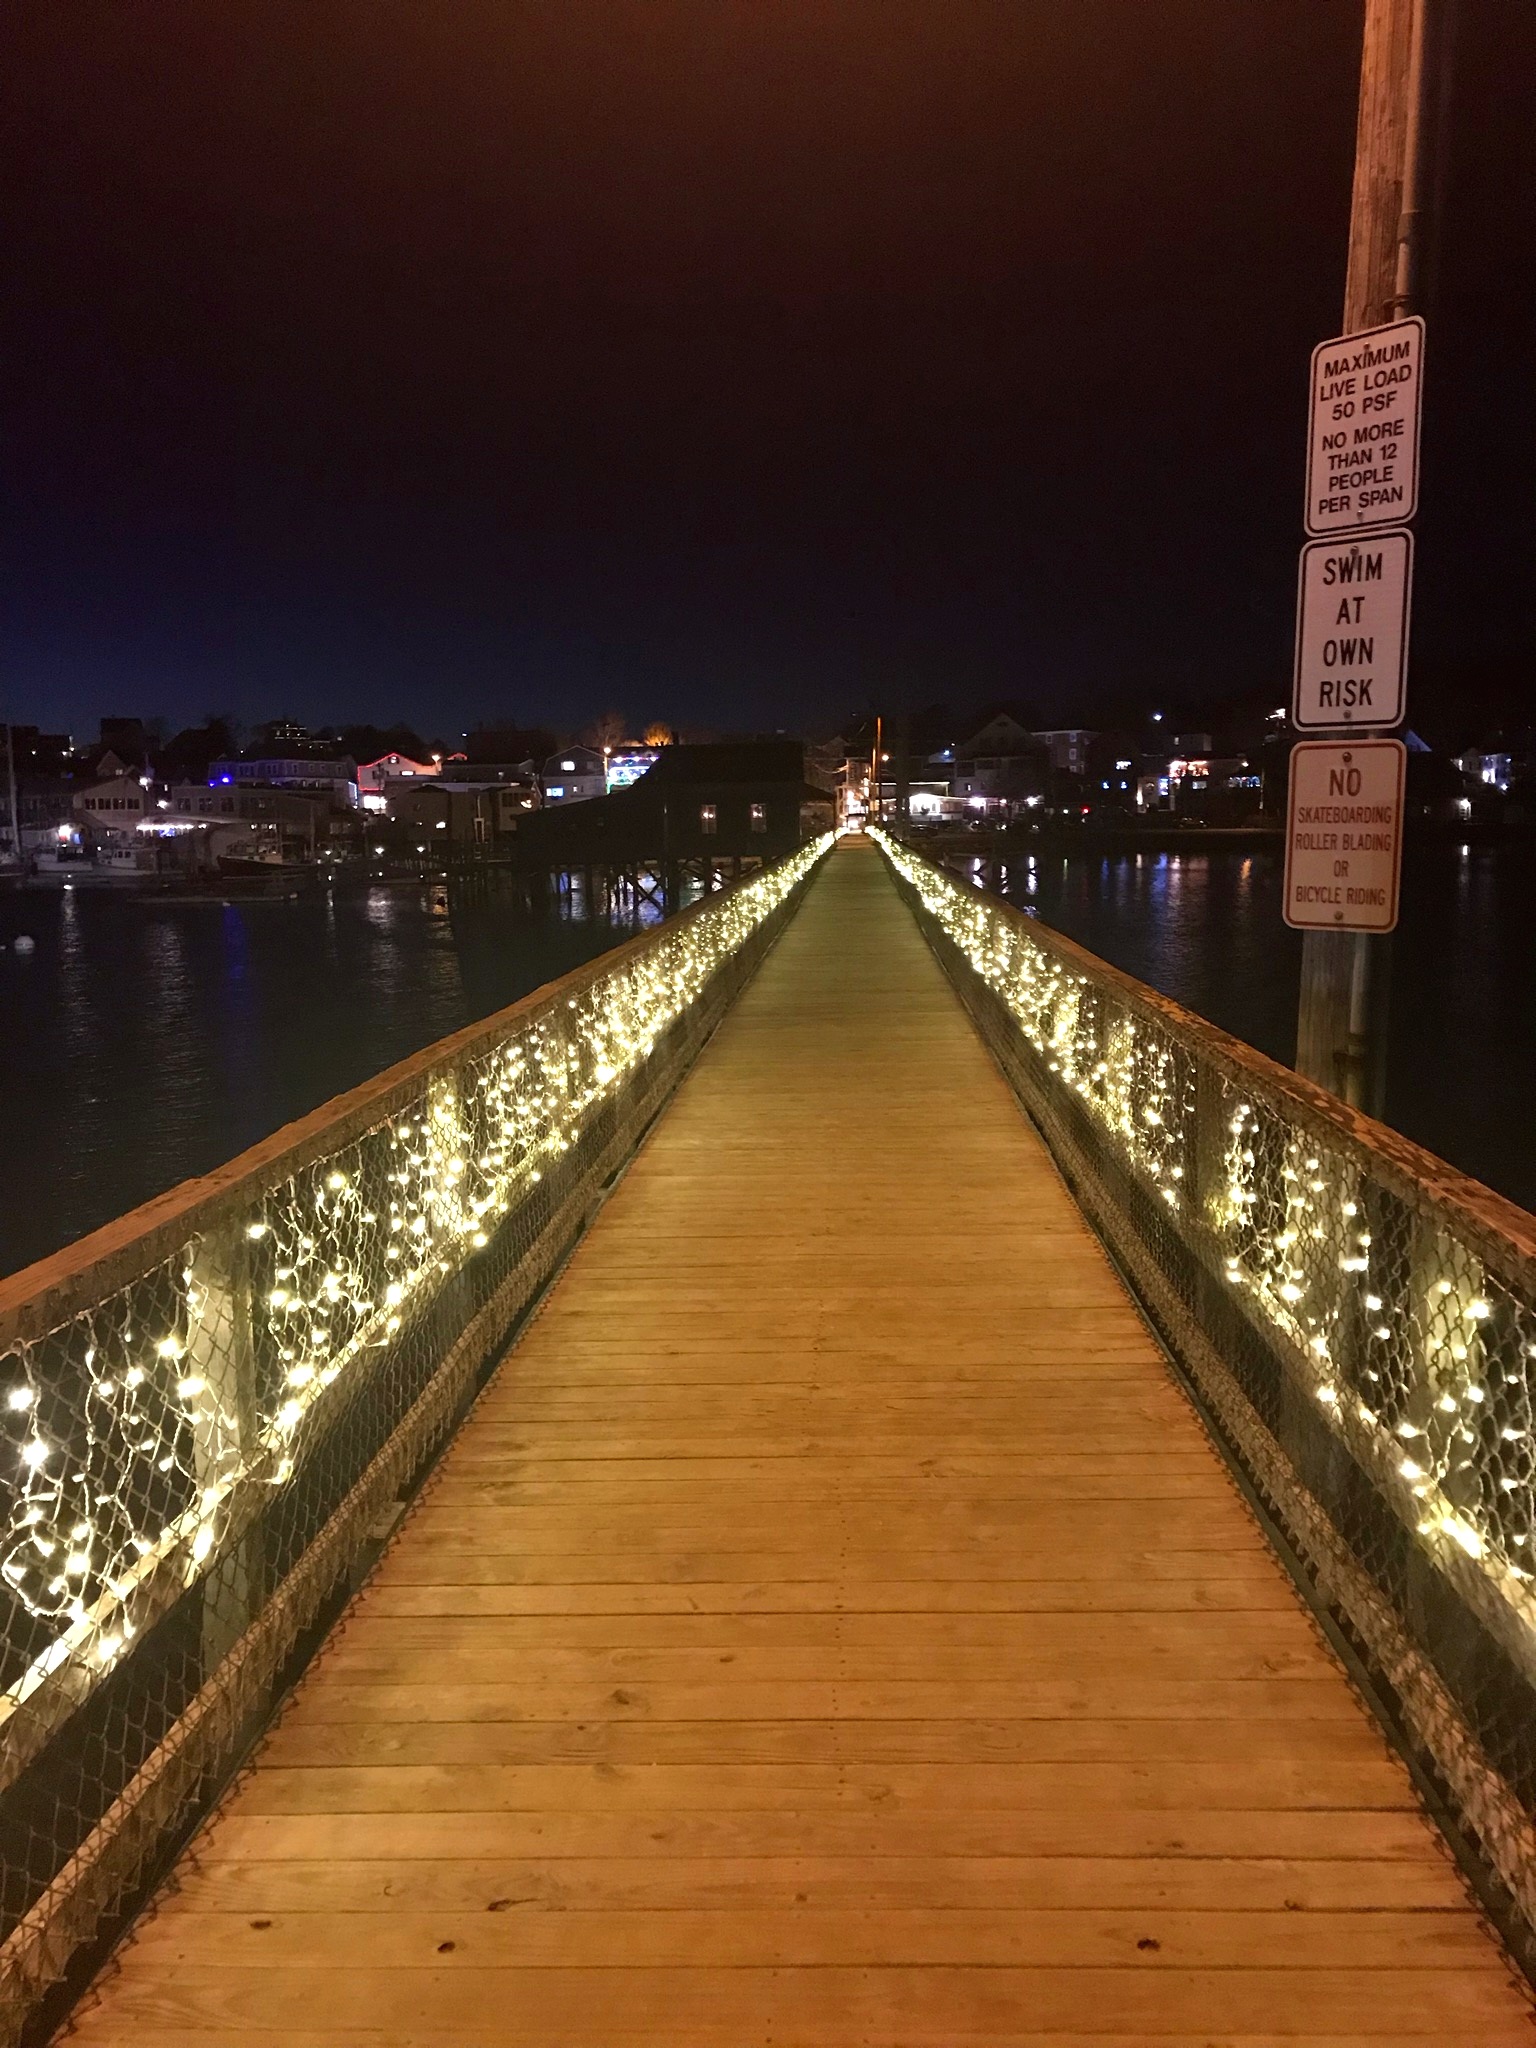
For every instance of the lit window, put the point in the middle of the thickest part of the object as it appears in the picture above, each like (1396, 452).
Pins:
(707, 820)
(555, 790)
(759, 817)
(568, 767)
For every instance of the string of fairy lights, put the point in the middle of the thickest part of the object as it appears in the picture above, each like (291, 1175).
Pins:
(1128, 1075)
(137, 1427)
(1416, 1354)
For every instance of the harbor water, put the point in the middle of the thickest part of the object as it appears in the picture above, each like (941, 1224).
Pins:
(145, 1041)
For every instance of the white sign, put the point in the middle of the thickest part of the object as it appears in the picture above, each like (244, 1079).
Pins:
(1352, 605)
(1344, 835)
(1363, 438)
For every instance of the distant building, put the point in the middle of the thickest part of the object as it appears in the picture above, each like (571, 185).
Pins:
(507, 791)
(374, 777)
(1110, 779)
(467, 774)
(1188, 782)
(1495, 770)
(455, 820)
(111, 814)
(743, 800)
(1067, 748)
(117, 804)
(841, 766)
(575, 775)
(1001, 769)
(101, 764)
(334, 773)
(39, 753)
(293, 824)
(126, 737)
(135, 824)
(930, 801)
(49, 823)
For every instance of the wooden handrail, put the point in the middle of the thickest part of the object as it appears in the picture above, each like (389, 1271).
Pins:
(39, 1297)
(1499, 1227)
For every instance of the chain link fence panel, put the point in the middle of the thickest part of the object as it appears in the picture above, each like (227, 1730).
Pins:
(1358, 1319)
(210, 1409)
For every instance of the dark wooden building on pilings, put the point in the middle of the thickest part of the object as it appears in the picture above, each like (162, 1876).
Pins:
(702, 814)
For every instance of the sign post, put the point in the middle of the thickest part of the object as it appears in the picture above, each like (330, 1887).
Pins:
(1344, 835)
(1352, 608)
(1363, 474)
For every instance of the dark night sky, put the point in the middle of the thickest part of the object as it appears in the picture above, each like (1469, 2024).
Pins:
(736, 361)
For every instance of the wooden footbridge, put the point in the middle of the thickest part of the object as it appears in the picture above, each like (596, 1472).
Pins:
(835, 1622)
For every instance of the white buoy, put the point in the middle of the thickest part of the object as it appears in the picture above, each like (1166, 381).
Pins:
(25, 944)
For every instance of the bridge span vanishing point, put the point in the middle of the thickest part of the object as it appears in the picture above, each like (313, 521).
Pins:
(855, 1608)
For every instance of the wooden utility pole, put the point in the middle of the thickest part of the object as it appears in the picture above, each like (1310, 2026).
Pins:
(1341, 1024)
(10, 777)
(901, 763)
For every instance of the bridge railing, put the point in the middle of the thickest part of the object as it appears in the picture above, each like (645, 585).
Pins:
(1358, 1319)
(210, 1410)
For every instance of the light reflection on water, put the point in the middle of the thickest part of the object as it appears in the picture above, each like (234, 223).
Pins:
(1206, 929)
(142, 1042)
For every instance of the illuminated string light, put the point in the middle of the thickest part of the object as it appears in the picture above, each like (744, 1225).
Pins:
(1282, 1215)
(1129, 1076)
(335, 1261)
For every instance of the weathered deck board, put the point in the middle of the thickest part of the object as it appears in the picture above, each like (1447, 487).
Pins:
(832, 1627)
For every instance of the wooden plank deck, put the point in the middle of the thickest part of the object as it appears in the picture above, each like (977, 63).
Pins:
(833, 1627)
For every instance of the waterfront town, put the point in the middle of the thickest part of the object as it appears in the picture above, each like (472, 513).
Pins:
(139, 806)
(768, 1025)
